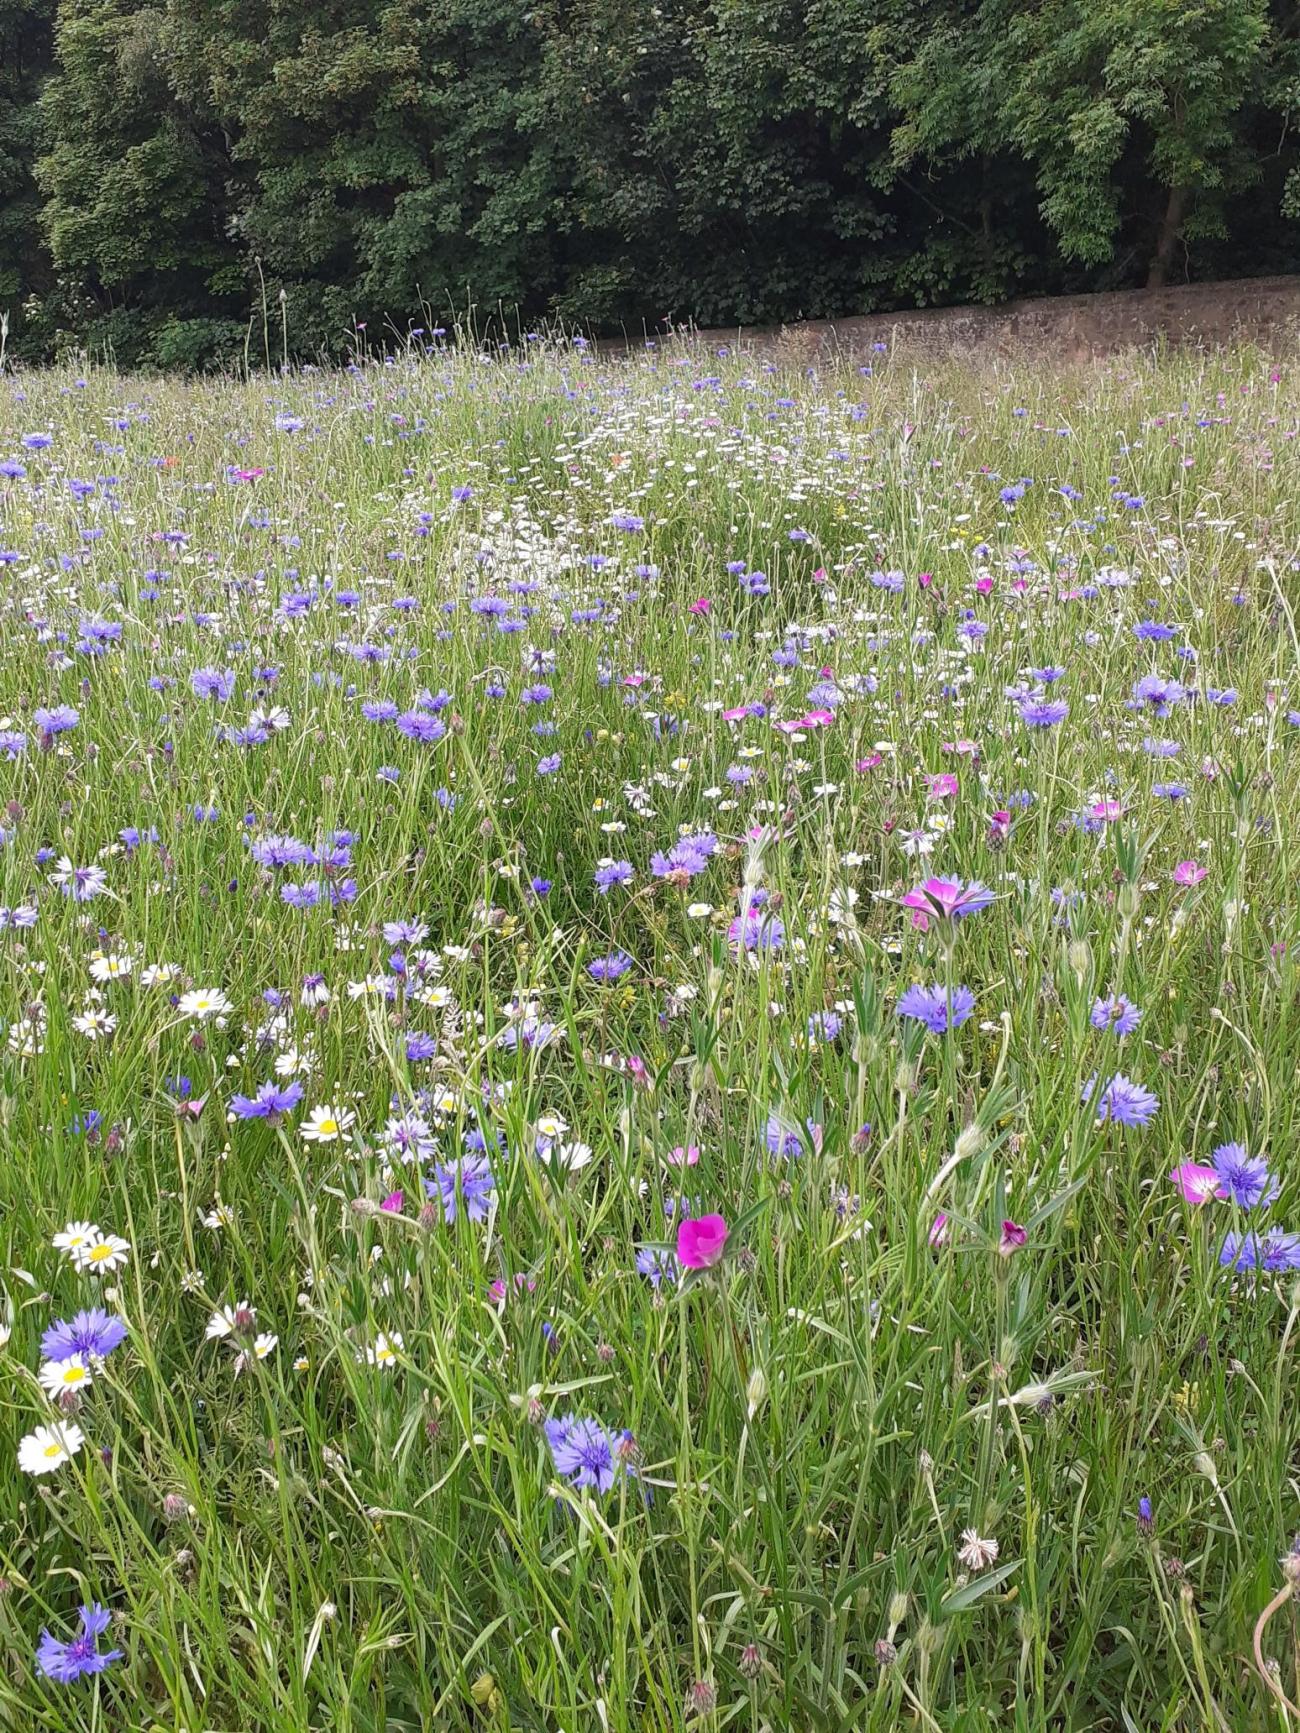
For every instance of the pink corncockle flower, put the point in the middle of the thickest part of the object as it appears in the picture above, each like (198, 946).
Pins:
(925, 579)
(1107, 810)
(819, 576)
(870, 762)
(999, 827)
(943, 786)
(819, 719)
(939, 1230)
(392, 1203)
(499, 1290)
(684, 1157)
(1196, 1183)
(700, 605)
(634, 680)
(984, 585)
(1188, 872)
(738, 714)
(946, 900)
(701, 1241)
(1013, 1236)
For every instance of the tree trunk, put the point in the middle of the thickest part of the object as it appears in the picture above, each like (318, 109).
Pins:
(1171, 226)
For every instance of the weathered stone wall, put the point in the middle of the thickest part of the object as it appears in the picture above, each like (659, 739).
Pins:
(1265, 310)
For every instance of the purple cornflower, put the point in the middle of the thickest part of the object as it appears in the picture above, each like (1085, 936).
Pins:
(611, 873)
(607, 969)
(59, 720)
(933, 1007)
(216, 683)
(756, 931)
(584, 1452)
(1117, 1014)
(420, 1046)
(824, 1025)
(93, 1332)
(687, 856)
(1153, 692)
(271, 1101)
(1122, 1100)
(1043, 712)
(1244, 1178)
(419, 725)
(782, 1140)
(550, 764)
(1271, 1252)
(80, 1658)
(657, 1266)
(1152, 632)
(469, 1181)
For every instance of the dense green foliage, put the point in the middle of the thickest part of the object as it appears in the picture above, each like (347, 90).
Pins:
(198, 172)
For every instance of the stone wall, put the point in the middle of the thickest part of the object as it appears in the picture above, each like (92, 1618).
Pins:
(1265, 310)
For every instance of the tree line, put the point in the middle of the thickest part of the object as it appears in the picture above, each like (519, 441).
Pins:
(175, 174)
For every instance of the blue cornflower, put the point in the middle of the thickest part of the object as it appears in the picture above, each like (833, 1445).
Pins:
(80, 1658)
(271, 1100)
(1271, 1252)
(933, 1007)
(657, 1265)
(824, 1025)
(420, 1046)
(1117, 1014)
(91, 1332)
(550, 764)
(611, 873)
(1153, 692)
(469, 1181)
(1122, 1100)
(585, 1453)
(56, 721)
(1152, 632)
(607, 969)
(215, 683)
(419, 725)
(1244, 1178)
(1043, 712)
(782, 1140)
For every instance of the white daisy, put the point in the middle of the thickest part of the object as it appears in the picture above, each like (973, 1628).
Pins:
(49, 1447)
(75, 1237)
(203, 1003)
(385, 1351)
(102, 1255)
(59, 1375)
(327, 1124)
(111, 967)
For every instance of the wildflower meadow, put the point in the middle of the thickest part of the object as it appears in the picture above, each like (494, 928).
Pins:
(648, 1044)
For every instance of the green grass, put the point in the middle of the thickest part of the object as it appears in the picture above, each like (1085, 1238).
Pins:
(317, 1542)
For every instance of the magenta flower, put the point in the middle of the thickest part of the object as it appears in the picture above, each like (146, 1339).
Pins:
(1188, 872)
(1107, 811)
(1012, 1238)
(943, 785)
(701, 1241)
(1197, 1184)
(946, 900)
